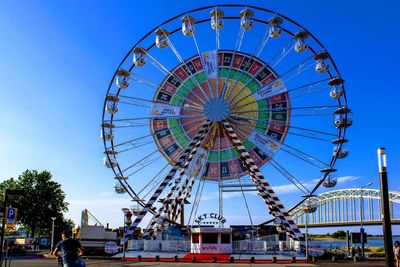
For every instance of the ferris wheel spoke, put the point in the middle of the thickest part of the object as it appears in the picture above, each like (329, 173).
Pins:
(202, 61)
(295, 152)
(235, 174)
(267, 193)
(238, 45)
(288, 132)
(309, 86)
(195, 142)
(191, 77)
(282, 109)
(129, 142)
(217, 45)
(153, 182)
(158, 178)
(175, 77)
(134, 146)
(187, 159)
(304, 156)
(154, 86)
(142, 162)
(195, 206)
(243, 120)
(283, 55)
(289, 176)
(298, 68)
(228, 97)
(263, 41)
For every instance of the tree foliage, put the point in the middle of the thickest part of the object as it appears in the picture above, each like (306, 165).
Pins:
(339, 234)
(43, 198)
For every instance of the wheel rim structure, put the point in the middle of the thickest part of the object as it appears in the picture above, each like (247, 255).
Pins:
(215, 94)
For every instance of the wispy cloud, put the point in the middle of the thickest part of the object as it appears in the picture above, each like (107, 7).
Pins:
(345, 179)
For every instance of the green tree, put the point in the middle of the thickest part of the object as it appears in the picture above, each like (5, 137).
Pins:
(43, 198)
(339, 234)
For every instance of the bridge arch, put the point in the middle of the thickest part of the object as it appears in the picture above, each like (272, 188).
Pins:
(345, 207)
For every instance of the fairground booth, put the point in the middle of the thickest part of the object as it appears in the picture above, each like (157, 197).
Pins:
(211, 240)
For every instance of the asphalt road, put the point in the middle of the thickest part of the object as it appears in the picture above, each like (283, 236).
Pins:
(44, 262)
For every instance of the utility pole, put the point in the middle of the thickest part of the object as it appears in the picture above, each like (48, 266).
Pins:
(361, 220)
(386, 223)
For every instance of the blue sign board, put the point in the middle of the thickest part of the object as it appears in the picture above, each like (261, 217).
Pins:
(11, 215)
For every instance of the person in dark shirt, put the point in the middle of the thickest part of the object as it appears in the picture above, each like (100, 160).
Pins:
(70, 249)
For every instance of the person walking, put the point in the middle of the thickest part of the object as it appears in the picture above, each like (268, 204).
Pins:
(396, 250)
(69, 250)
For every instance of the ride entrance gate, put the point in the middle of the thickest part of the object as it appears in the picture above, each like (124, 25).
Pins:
(211, 240)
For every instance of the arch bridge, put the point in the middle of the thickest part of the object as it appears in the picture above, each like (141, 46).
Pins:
(346, 207)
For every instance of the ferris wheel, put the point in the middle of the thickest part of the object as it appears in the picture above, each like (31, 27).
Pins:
(231, 97)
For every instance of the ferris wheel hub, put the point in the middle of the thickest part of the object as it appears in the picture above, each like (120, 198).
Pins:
(216, 109)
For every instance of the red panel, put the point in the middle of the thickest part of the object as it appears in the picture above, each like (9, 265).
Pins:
(197, 64)
(238, 61)
(181, 73)
(255, 68)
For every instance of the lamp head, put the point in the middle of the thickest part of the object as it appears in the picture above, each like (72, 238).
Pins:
(382, 159)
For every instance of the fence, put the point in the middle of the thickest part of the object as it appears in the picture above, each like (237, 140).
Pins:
(159, 245)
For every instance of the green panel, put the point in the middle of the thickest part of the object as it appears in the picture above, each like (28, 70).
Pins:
(245, 79)
(222, 72)
(190, 83)
(225, 155)
(253, 86)
(177, 101)
(201, 77)
(263, 104)
(173, 123)
(263, 115)
(234, 74)
(248, 145)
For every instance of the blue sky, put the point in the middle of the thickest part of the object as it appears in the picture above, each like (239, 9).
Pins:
(57, 59)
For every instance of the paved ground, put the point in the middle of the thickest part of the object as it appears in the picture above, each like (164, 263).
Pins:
(117, 263)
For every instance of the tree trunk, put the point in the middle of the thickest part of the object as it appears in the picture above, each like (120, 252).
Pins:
(33, 228)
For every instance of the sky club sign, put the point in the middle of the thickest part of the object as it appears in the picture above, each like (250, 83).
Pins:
(214, 216)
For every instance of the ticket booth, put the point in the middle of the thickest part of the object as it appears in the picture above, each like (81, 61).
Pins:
(211, 240)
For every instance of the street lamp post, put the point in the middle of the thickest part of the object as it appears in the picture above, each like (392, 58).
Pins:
(361, 219)
(386, 223)
(52, 234)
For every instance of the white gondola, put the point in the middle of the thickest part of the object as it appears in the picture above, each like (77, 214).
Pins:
(120, 177)
(343, 117)
(300, 46)
(216, 19)
(107, 135)
(162, 38)
(337, 91)
(112, 108)
(321, 66)
(118, 188)
(188, 25)
(111, 105)
(246, 19)
(329, 182)
(310, 208)
(139, 56)
(110, 163)
(281, 228)
(108, 125)
(275, 29)
(122, 78)
(110, 152)
(340, 153)
(136, 209)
